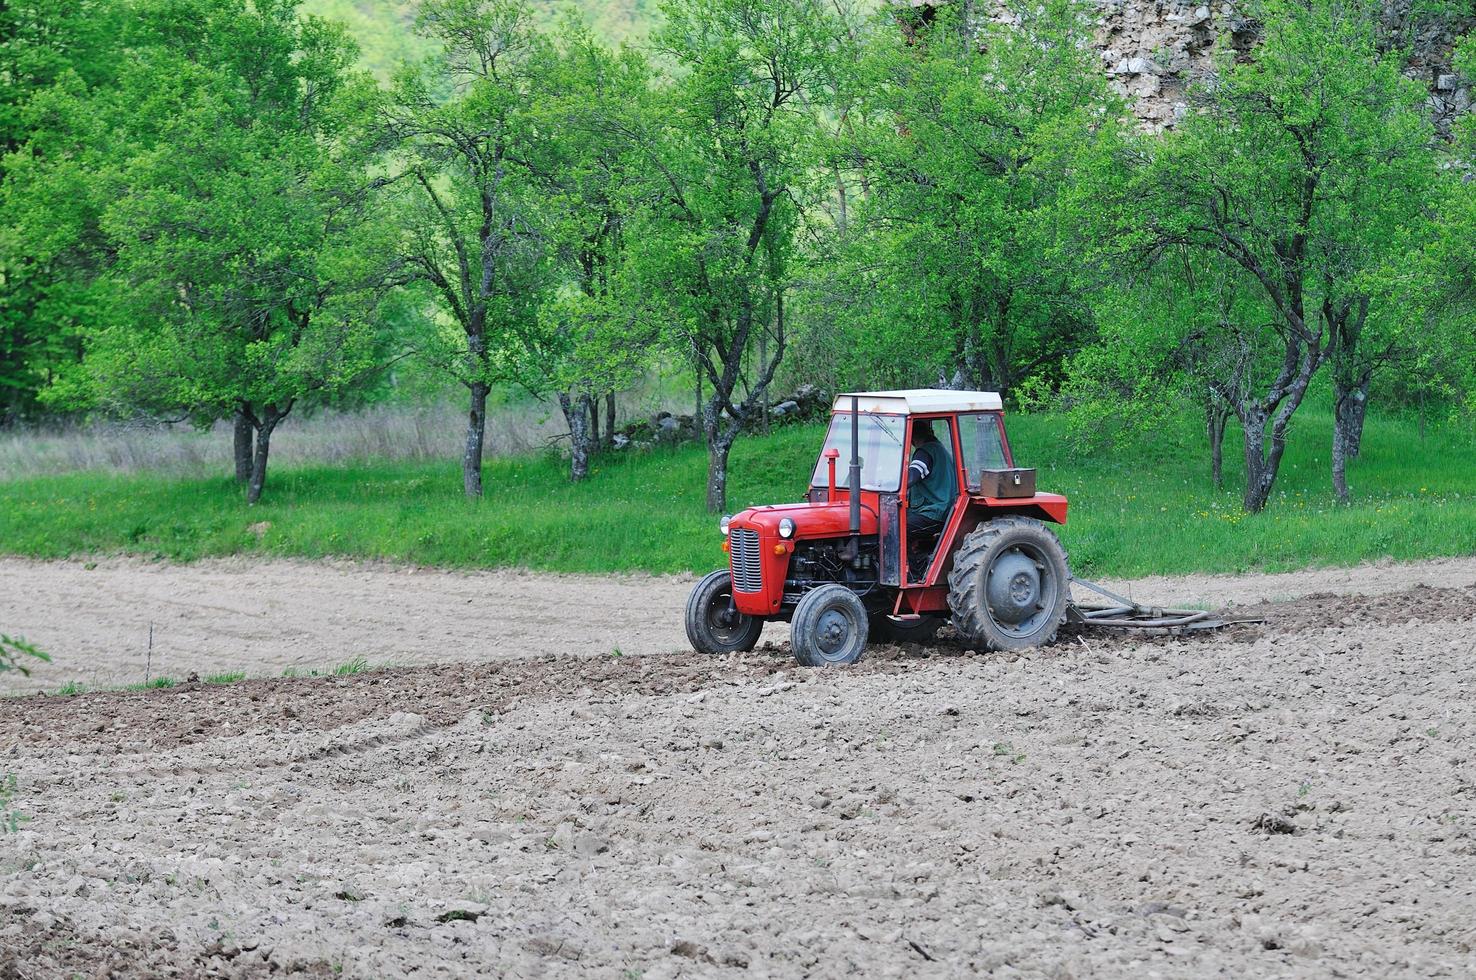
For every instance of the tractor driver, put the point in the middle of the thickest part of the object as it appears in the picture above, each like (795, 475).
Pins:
(931, 486)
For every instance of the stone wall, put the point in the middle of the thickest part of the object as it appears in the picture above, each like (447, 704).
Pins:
(1154, 51)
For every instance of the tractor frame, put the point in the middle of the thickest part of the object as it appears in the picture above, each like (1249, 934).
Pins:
(843, 569)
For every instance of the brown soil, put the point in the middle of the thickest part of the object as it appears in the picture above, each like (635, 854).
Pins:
(1288, 799)
(264, 617)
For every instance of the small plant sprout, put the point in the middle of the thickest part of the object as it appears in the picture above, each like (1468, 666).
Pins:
(1005, 750)
(10, 817)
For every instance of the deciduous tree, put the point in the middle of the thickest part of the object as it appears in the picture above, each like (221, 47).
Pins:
(464, 126)
(1300, 172)
(45, 45)
(594, 331)
(231, 231)
(971, 133)
(735, 160)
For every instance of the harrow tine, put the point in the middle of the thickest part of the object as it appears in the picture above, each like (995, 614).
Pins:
(1127, 614)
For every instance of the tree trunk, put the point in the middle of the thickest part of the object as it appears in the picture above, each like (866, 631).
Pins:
(269, 419)
(244, 436)
(1350, 405)
(1260, 473)
(697, 412)
(577, 413)
(842, 217)
(1264, 450)
(1352, 371)
(594, 419)
(1217, 415)
(764, 359)
(476, 431)
(717, 472)
(609, 439)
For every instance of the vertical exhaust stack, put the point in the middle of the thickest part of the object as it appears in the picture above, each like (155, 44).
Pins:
(855, 467)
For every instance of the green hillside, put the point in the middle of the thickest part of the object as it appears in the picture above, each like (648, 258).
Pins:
(383, 27)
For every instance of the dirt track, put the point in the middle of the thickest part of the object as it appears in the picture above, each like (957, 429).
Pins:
(1293, 799)
(262, 618)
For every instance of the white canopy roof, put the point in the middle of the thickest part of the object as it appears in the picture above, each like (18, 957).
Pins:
(921, 401)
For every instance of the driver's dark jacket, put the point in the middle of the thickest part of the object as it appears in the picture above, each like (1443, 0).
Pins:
(932, 485)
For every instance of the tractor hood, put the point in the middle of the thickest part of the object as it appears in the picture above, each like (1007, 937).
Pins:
(817, 520)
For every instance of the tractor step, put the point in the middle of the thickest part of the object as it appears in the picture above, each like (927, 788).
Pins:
(1124, 613)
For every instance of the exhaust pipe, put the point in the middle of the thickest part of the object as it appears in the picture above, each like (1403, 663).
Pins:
(855, 467)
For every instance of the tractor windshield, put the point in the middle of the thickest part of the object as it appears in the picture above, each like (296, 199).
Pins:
(881, 452)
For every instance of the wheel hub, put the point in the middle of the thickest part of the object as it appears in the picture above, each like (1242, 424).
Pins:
(833, 631)
(722, 619)
(1013, 590)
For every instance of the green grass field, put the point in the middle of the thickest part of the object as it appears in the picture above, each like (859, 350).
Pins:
(1140, 509)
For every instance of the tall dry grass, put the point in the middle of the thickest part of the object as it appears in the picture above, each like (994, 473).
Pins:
(388, 432)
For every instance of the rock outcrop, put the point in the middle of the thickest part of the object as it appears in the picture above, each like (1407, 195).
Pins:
(1155, 51)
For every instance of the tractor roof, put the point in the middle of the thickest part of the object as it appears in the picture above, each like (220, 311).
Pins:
(921, 401)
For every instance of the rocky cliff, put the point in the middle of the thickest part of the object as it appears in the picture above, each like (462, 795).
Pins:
(1155, 50)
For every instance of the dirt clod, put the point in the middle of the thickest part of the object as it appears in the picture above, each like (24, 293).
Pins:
(1288, 799)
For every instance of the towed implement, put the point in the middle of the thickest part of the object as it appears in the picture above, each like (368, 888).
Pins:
(933, 522)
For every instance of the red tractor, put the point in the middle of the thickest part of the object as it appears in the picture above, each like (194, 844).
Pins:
(932, 521)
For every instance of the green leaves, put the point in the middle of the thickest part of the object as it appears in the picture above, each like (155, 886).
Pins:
(1270, 229)
(955, 258)
(206, 205)
(13, 649)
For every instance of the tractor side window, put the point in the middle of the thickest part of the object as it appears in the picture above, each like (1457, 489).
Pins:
(881, 452)
(978, 435)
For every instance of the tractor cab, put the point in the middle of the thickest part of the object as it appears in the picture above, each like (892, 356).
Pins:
(906, 489)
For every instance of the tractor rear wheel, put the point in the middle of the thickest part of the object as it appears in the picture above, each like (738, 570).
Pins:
(1010, 585)
(713, 625)
(890, 629)
(829, 627)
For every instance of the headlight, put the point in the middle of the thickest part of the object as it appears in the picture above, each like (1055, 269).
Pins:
(723, 524)
(786, 528)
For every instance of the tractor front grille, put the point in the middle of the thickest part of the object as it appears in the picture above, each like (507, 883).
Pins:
(748, 570)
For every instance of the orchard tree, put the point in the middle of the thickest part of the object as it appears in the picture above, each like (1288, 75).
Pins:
(1181, 331)
(594, 332)
(1445, 292)
(50, 52)
(972, 132)
(464, 123)
(231, 234)
(1301, 173)
(733, 158)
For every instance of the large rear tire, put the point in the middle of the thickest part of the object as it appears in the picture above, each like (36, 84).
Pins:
(829, 627)
(1010, 585)
(713, 626)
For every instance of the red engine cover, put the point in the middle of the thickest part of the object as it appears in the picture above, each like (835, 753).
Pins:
(759, 557)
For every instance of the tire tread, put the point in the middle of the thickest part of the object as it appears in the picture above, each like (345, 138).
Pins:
(966, 603)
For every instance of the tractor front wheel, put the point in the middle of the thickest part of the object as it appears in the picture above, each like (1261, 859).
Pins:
(1009, 585)
(713, 625)
(829, 627)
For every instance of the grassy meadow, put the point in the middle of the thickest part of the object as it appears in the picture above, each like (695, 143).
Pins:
(1143, 508)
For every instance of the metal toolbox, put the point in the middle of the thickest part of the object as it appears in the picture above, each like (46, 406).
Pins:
(1007, 483)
